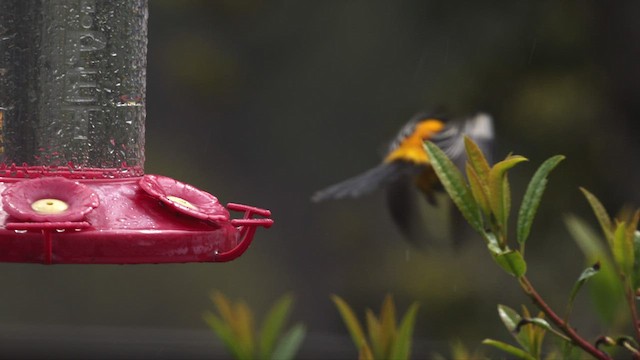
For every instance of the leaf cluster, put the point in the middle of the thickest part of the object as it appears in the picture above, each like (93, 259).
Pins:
(234, 325)
(384, 337)
(485, 200)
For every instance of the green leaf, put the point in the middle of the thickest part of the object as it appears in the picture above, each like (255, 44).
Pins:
(288, 346)
(601, 214)
(402, 345)
(534, 333)
(273, 324)
(630, 237)
(224, 308)
(511, 319)
(374, 329)
(244, 328)
(351, 321)
(636, 264)
(239, 323)
(224, 332)
(387, 324)
(510, 349)
(460, 351)
(476, 159)
(500, 197)
(532, 197)
(453, 181)
(512, 262)
(584, 276)
(365, 353)
(570, 352)
(479, 190)
(536, 321)
(632, 226)
(622, 249)
(606, 289)
(588, 241)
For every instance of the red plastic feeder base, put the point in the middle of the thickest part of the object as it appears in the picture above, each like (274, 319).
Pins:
(65, 219)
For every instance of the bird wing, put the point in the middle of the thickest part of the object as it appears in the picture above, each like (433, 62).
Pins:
(478, 128)
(381, 175)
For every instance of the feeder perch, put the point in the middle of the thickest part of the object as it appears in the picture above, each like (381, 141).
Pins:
(72, 182)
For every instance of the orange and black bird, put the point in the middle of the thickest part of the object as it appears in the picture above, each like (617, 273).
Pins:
(405, 173)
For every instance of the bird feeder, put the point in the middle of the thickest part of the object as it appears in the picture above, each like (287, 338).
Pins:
(72, 112)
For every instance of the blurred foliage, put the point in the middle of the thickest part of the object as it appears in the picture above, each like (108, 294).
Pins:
(606, 289)
(484, 199)
(461, 352)
(385, 338)
(235, 326)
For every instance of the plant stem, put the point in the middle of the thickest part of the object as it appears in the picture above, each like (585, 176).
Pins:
(559, 322)
(631, 299)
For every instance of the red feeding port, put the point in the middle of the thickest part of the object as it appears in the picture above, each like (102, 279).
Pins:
(72, 184)
(146, 219)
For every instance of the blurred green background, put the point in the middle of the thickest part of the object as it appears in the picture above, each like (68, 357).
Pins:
(266, 102)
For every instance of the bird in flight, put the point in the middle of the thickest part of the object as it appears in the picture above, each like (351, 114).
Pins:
(406, 172)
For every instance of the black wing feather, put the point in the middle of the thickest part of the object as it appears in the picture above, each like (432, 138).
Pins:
(379, 176)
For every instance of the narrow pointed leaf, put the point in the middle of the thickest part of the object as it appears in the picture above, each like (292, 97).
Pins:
(460, 351)
(478, 190)
(365, 353)
(476, 159)
(512, 262)
(629, 235)
(499, 188)
(351, 321)
(273, 324)
(600, 213)
(606, 289)
(588, 241)
(539, 332)
(506, 200)
(622, 249)
(289, 344)
(387, 324)
(636, 264)
(584, 276)
(453, 181)
(526, 333)
(510, 318)
(632, 226)
(374, 329)
(224, 332)
(510, 349)
(244, 328)
(402, 345)
(532, 197)
(224, 308)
